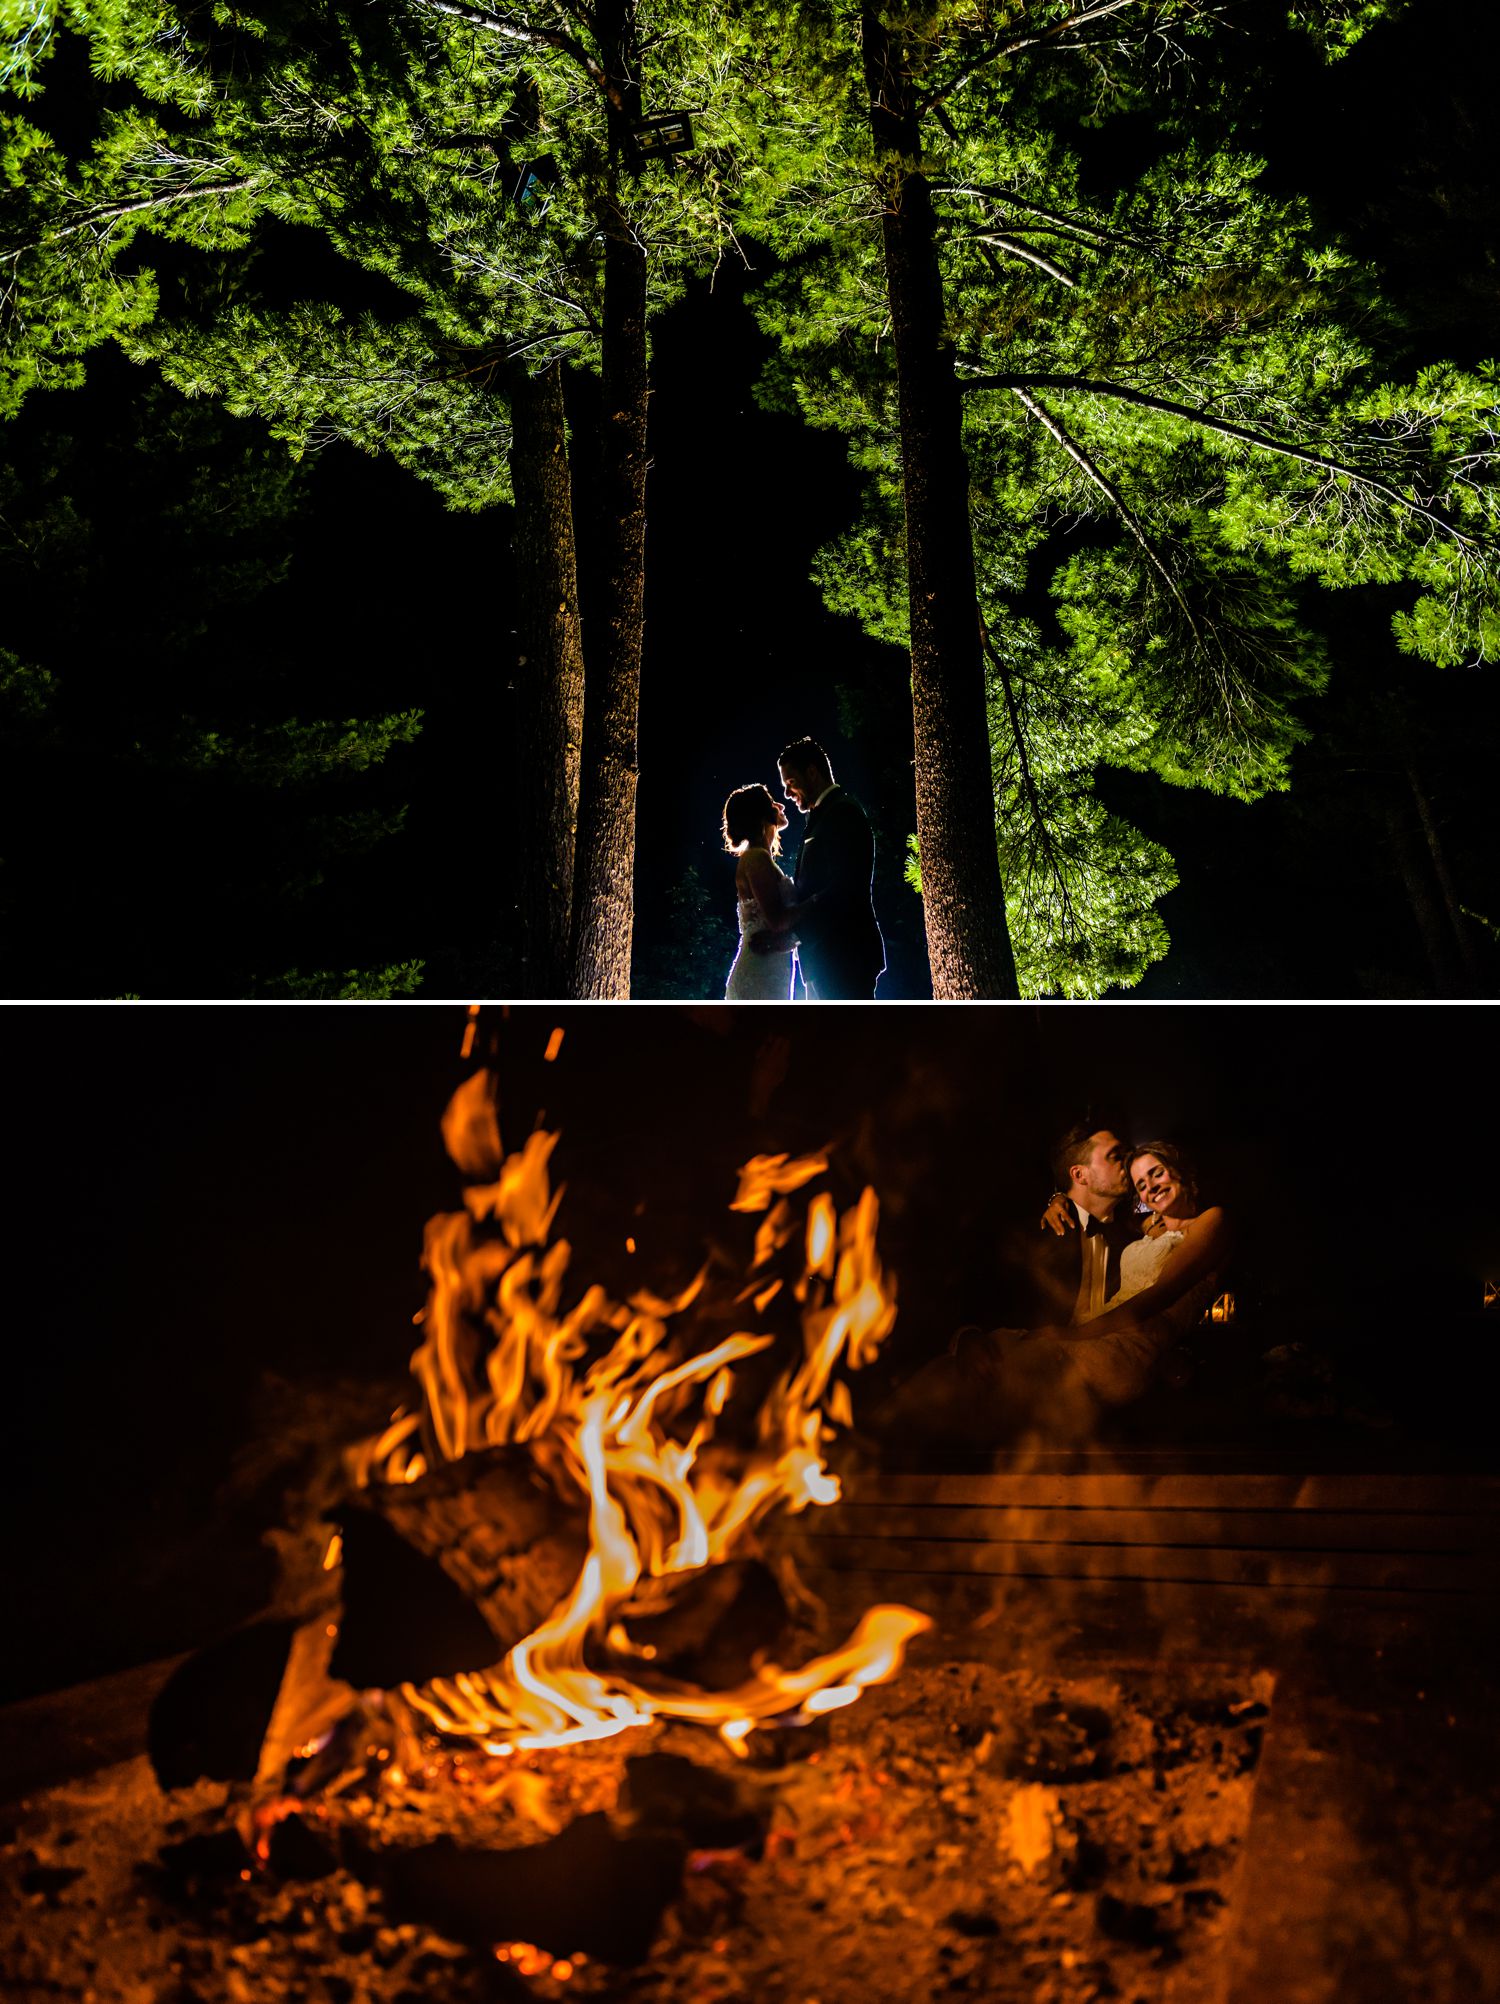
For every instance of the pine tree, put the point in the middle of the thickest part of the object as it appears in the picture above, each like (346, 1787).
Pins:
(490, 174)
(1124, 365)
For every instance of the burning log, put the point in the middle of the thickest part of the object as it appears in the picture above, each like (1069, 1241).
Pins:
(711, 1628)
(588, 1891)
(404, 1618)
(447, 1573)
(710, 1811)
(209, 1720)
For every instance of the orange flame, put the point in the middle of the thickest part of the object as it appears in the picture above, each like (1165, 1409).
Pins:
(633, 1432)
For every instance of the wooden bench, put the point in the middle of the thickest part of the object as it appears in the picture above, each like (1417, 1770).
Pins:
(1192, 1533)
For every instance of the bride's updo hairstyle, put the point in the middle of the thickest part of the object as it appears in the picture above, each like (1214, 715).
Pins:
(748, 811)
(1171, 1155)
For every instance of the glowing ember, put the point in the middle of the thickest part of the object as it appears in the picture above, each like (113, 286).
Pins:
(470, 1027)
(619, 1412)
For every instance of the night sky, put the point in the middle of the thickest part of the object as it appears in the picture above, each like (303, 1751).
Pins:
(211, 1200)
(391, 603)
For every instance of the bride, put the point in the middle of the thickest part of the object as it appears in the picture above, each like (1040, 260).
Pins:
(1168, 1276)
(752, 824)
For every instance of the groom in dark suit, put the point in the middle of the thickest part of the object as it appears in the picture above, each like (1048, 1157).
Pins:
(1071, 1272)
(840, 949)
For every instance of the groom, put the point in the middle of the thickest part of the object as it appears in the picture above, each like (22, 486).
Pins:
(841, 952)
(1073, 1273)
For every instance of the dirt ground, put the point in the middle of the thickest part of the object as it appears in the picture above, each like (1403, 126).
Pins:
(964, 1831)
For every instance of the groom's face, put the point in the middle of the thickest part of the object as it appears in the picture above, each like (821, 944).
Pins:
(799, 785)
(1103, 1174)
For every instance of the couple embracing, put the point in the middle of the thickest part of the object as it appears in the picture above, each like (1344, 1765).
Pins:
(1128, 1257)
(820, 919)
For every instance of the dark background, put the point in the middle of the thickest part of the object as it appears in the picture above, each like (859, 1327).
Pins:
(121, 882)
(214, 1203)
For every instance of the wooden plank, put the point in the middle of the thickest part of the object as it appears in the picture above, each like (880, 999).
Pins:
(1417, 1572)
(1185, 1490)
(1280, 1530)
(1159, 1617)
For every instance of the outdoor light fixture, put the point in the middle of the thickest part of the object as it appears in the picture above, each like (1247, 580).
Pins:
(666, 133)
(1223, 1309)
(1491, 1293)
(534, 184)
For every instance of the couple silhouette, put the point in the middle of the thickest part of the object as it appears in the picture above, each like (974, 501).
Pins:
(819, 922)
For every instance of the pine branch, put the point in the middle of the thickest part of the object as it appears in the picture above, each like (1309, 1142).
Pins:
(115, 211)
(1026, 254)
(1081, 17)
(539, 38)
(1093, 472)
(1264, 441)
(1063, 224)
(1045, 844)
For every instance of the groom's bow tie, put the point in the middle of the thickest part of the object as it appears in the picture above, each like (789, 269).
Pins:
(1099, 1228)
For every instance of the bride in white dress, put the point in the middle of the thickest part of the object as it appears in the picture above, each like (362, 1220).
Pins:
(1167, 1278)
(752, 824)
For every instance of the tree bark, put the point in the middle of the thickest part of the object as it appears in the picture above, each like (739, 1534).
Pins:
(1417, 884)
(1472, 980)
(968, 942)
(603, 904)
(548, 681)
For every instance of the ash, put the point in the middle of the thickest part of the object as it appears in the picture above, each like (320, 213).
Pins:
(1000, 1834)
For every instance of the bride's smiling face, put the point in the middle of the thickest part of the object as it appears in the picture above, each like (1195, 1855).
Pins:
(1157, 1186)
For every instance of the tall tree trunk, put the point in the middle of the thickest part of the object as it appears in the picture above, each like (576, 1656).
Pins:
(1471, 983)
(548, 680)
(603, 908)
(968, 943)
(1416, 881)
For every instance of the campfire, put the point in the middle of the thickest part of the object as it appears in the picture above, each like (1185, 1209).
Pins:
(612, 1420)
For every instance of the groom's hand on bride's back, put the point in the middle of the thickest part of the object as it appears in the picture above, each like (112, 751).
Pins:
(772, 942)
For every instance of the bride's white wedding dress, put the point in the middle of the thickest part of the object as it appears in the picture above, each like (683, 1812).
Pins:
(757, 977)
(1141, 1264)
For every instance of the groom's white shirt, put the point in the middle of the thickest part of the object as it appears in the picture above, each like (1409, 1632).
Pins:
(1091, 1279)
(831, 787)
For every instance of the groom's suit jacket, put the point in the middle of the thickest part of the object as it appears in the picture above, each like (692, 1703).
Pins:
(841, 950)
(1054, 1266)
